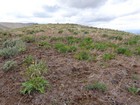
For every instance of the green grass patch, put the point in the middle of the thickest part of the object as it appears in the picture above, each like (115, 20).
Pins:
(44, 44)
(97, 86)
(108, 56)
(124, 50)
(62, 48)
(84, 55)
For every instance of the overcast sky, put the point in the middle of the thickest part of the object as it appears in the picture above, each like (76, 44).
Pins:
(114, 14)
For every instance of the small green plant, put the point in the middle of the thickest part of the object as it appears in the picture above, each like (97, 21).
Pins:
(101, 46)
(133, 90)
(34, 84)
(60, 31)
(108, 56)
(84, 55)
(29, 60)
(72, 40)
(64, 48)
(97, 86)
(44, 44)
(29, 38)
(9, 65)
(37, 69)
(123, 50)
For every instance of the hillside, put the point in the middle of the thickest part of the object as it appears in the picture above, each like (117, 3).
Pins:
(8, 25)
(69, 64)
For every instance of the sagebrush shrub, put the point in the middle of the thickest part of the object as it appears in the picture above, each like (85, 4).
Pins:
(9, 65)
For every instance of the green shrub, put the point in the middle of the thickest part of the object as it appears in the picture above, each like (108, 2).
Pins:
(123, 50)
(36, 69)
(108, 56)
(134, 90)
(29, 38)
(9, 65)
(97, 86)
(34, 84)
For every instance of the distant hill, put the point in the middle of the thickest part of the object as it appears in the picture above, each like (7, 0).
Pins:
(9, 25)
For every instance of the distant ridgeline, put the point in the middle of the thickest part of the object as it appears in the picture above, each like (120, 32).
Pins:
(9, 25)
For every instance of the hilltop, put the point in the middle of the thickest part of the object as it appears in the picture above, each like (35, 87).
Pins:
(69, 64)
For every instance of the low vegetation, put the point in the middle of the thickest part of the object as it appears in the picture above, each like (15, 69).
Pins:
(68, 58)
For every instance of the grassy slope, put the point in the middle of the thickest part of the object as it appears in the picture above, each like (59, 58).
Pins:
(80, 60)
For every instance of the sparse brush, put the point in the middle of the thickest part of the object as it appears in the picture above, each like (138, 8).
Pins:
(9, 65)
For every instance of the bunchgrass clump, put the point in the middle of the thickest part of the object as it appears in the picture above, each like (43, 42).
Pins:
(97, 86)
(34, 84)
(9, 65)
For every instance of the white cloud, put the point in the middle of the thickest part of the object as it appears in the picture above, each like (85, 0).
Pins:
(115, 14)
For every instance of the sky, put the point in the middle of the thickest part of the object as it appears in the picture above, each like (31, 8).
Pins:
(114, 14)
